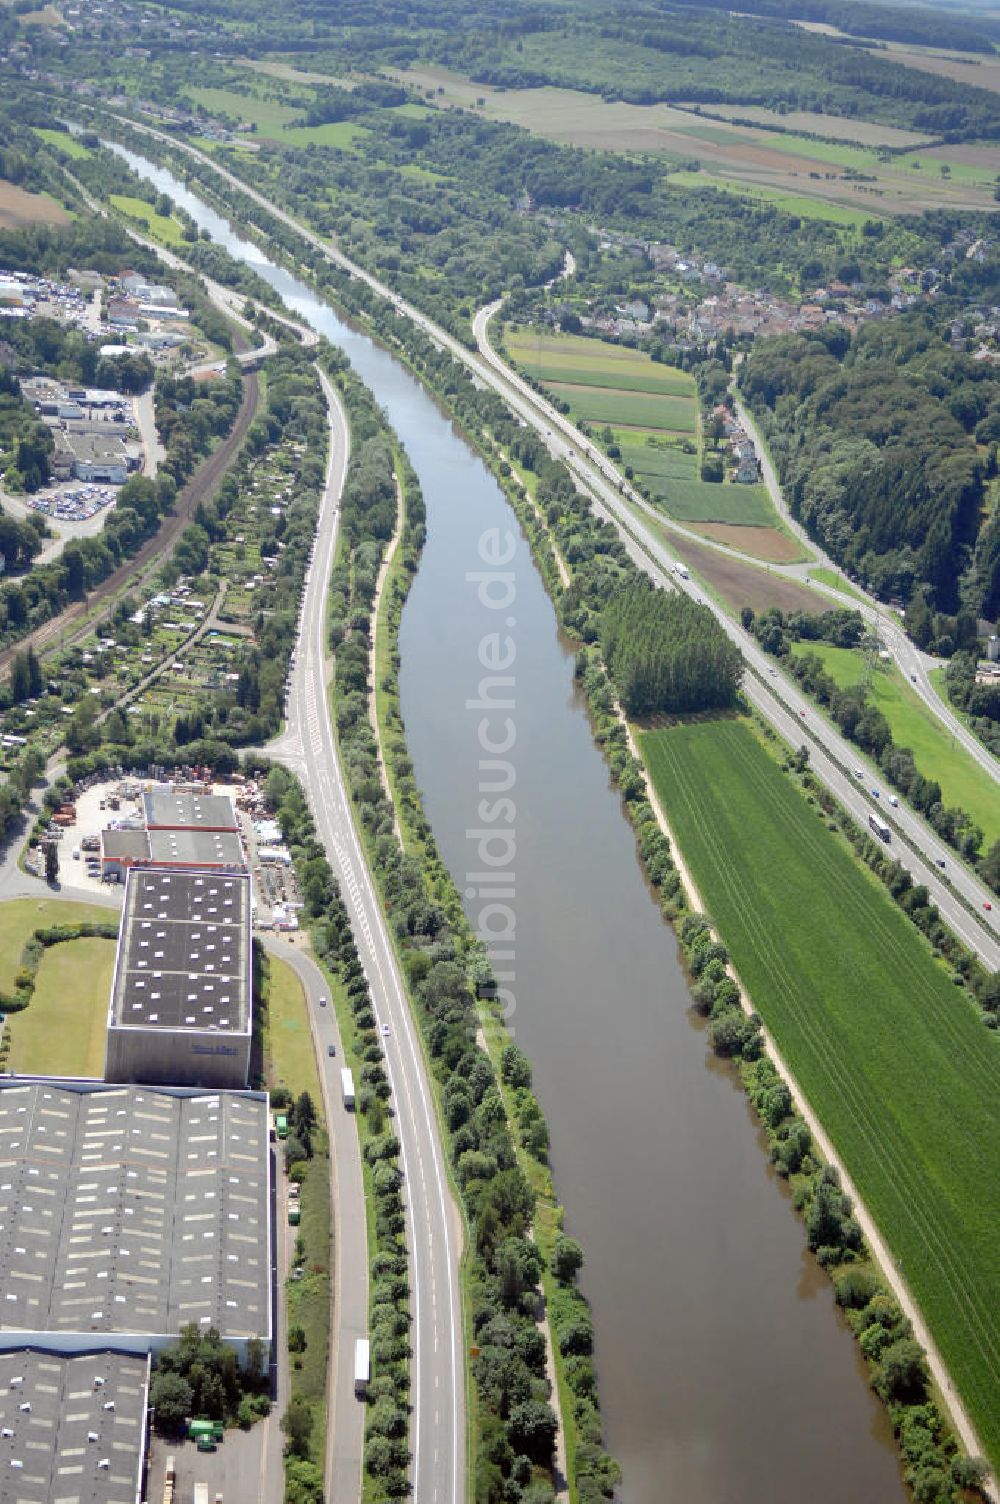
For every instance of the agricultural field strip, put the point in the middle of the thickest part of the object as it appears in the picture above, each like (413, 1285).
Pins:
(903, 1187)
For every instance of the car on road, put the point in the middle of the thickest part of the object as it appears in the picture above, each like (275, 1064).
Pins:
(331, 1050)
(913, 678)
(859, 774)
(322, 1002)
(893, 801)
(987, 904)
(939, 862)
(875, 794)
(386, 1030)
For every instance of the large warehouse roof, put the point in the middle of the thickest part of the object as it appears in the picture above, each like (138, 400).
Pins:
(132, 1210)
(71, 1429)
(183, 951)
(166, 810)
(196, 848)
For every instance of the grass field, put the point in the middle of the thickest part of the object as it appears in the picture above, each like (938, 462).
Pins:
(802, 175)
(805, 206)
(651, 409)
(605, 405)
(275, 120)
(895, 1061)
(962, 781)
(162, 227)
(831, 578)
(22, 916)
(63, 140)
(702, 501)
(289, 1038)
(62, 1031)
(649, 454)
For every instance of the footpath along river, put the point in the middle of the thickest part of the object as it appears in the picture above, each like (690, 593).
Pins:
(726, 1374)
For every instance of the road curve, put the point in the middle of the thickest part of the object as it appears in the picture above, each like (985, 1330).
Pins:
(959, 895)
(309, 748)
(915, 664)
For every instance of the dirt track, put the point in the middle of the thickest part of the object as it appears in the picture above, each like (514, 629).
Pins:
(201, 487)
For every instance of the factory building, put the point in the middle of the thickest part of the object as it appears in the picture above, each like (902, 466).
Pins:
(181, 1001)
(72, 1429)
(217, 850)
(167, 808)
(128, 1212)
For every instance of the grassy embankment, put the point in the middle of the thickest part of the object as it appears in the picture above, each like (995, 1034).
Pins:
(548, 1217)
(652, 412)
(896, 1063)
(830, 577)
(63, 1030)
(63, 141)
(275, 121)
(937, 754)
(162, 227)
(292, 1064)
(72, 988)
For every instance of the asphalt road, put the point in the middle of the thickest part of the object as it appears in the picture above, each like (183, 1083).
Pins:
(915, 664)
(433, 1226)
(345, 1413)
(958, 893)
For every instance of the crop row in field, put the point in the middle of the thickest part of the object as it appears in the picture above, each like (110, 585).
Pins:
(604, 405)
(894, 1060)
(702, 501)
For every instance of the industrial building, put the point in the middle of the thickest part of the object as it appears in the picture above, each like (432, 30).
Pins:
(128, 1212)
(180, 1011)
(72, 1430)
(168, 808)
(208, 849)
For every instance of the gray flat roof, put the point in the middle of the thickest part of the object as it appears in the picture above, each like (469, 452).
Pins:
(183, 957)
(169, 810)
(132, 1209)
(47, 1452)
(196, 848)
(119, 843)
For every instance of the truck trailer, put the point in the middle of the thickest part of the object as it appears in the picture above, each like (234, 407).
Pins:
(362, 1366)
(347, 1088)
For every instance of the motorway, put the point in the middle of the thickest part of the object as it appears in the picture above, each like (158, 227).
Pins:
(959, 895)
(914, 663)
(434, 1235)
(955, 890)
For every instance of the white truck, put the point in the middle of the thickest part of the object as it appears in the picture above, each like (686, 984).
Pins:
(347, 1088)
(201, 1493)
(362, 1366)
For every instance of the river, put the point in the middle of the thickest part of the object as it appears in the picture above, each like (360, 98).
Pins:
(726, 1374)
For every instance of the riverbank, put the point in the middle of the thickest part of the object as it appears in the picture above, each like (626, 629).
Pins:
(651, 1333)
(477, 1136)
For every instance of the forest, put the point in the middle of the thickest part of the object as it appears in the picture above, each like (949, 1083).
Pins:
(877, 440)
(667, 655)
(641, 53)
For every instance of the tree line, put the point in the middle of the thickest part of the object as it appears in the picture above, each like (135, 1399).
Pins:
(864, 724)
(877, 437)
